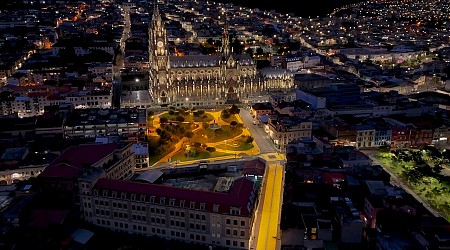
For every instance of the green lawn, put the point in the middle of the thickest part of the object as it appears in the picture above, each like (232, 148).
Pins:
(241, 147)
(206, 117)
(230, 119)
(236, 145)
(222, 134)
(187, 118)
(202, 155)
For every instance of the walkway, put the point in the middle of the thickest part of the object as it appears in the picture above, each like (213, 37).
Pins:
(267, 221)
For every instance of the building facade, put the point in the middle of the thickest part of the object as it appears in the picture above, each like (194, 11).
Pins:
(211, 218)
(198, 80)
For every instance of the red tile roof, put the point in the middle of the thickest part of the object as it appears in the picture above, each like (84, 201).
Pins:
(61, 170)
(254, 167)
(74, 159)
(239, 195)
(43, 218)
(331, 178)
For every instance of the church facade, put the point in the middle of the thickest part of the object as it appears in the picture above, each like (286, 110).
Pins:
(200, 80)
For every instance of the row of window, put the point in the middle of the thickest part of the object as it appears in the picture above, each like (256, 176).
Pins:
(235, 222)
(150, 199)
(235, 232)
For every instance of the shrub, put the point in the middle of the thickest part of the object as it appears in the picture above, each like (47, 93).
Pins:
(211, 149)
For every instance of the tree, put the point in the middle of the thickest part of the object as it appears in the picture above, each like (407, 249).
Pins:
(163, 120)
(249, 51)
(259, 51)
(205, 125)
(179, 118)
(189, 134)
(210, 149)
(234, 109)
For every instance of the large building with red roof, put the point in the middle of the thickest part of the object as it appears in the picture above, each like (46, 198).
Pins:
(222, 216)
(115, 160)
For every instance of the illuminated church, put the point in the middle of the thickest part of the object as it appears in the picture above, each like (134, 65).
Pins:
(200, 80)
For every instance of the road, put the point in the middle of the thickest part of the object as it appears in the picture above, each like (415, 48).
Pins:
(261, 138)
(267, 222)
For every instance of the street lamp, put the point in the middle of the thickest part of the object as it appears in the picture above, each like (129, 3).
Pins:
(225, 146)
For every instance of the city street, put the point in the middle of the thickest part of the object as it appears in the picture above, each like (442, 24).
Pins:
(261, 138)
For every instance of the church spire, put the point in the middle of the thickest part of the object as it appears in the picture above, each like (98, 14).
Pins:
(225, 39)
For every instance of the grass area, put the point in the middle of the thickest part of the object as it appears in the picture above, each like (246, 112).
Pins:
(208, 135)
(206, 117)
(236, 145)
(180, 156)
(188, 117)
(240, 147)
(434, 189)
(230, 119)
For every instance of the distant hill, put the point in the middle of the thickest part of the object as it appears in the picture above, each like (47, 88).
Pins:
(300, 8)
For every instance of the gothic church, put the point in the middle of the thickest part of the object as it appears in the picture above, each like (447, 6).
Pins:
(198, 80)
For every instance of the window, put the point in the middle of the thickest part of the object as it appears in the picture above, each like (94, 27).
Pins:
(243, 223)
(215, 208)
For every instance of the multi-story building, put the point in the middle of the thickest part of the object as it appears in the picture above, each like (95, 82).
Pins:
(261, 109)
(348, 219)
(141, 155)
(33, 103)
(129, 123)
(365, 136)
(305, 81)
(284, 129)
(115, 160)
(222, 216)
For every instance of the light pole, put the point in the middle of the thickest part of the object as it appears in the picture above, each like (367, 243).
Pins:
(225, 147)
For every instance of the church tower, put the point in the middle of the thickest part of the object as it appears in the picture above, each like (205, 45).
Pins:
(159, 62)
(229, 67)
(225, 40)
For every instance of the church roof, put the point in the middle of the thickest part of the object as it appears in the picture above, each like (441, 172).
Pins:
(190, 61)
(194, 61)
